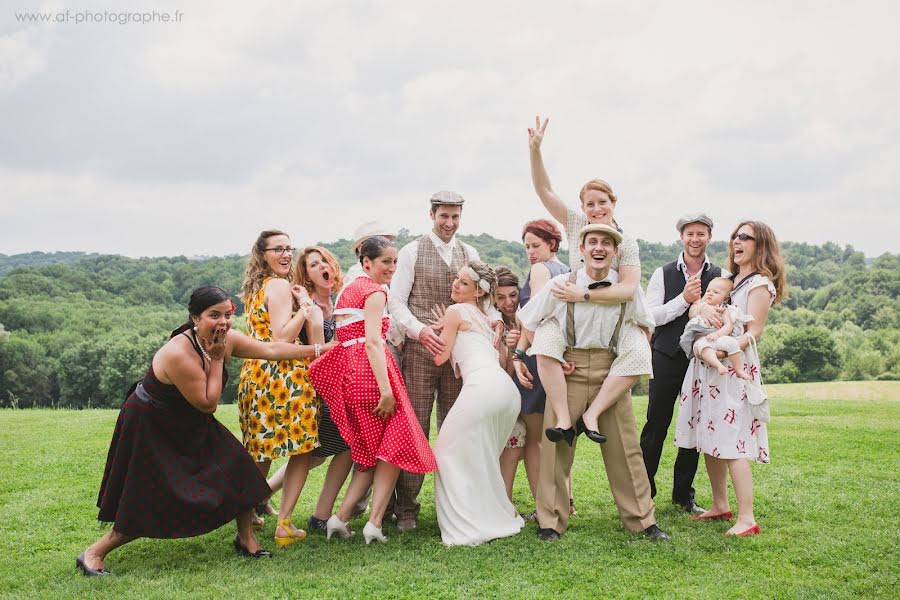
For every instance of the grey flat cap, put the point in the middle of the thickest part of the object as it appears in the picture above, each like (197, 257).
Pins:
(693, 218)
(447, 197)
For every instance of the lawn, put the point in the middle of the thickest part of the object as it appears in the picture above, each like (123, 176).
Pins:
(828, 507)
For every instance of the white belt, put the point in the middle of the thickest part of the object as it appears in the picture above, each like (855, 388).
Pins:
(358, 340)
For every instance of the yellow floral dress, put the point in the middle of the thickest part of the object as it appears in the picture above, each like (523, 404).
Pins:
(277, 406)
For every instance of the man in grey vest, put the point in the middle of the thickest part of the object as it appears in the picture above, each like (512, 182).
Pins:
(673, 288)
(426, 269)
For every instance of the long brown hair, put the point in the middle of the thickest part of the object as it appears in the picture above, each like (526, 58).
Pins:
(257, 269)
(766, 259)
(301, 275)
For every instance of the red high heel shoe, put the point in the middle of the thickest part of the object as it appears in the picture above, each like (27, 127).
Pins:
(725, 516)
(753, 530)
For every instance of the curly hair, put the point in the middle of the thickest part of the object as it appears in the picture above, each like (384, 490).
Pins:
(301, 275)
(257, 269)
(505, 277)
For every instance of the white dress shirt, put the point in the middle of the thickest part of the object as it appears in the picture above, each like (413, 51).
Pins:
(594, 323)
(666, 312)
(401, 284)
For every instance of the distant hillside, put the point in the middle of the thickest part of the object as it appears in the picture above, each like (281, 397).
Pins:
(37, 259)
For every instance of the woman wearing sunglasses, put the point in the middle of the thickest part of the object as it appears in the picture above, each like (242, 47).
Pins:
(715, 414)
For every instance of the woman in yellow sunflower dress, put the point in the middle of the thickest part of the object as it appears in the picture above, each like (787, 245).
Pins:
(277, 405)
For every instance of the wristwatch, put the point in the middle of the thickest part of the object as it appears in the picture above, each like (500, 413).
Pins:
(587, 295)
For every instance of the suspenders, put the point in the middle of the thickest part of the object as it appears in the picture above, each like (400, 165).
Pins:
(570, 323)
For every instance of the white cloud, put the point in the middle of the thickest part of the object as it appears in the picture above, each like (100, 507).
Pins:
(312, 116)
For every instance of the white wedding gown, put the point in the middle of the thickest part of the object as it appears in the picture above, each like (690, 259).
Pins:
(470, 497)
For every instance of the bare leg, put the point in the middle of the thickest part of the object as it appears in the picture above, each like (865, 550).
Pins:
(613, 388)
(708, 355)
(359, 486)
(534, 433)
(334, 480)
(246, 537)
(277, 480)
(554, 381)
(385, 479)
(294, 480)
(509, 464)
(742, 478)
(737, 363)
(96, 552)
(717, 470)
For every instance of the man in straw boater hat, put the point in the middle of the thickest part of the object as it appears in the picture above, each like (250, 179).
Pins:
(592, 332)
(673, 288)
(426, 269)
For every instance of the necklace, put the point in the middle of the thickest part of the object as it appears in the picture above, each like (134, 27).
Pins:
(202, 349)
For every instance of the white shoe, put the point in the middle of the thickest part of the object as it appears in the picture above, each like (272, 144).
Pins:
(335, 525)
(370, 532)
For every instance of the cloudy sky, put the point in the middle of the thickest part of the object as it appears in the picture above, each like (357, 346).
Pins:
(190, 137)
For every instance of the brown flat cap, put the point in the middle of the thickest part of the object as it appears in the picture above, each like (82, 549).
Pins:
(447, 197)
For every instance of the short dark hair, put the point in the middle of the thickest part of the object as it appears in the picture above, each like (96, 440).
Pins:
(374, 247)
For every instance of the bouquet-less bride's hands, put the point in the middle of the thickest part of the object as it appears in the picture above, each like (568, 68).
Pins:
(438, 318)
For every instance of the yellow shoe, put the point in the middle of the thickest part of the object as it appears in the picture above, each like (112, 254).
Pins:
(296, 534)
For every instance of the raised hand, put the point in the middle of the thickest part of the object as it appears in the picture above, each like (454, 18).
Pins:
(512, 338)
(215, 347)
(301, 296)
(691, 291)
(536, 134)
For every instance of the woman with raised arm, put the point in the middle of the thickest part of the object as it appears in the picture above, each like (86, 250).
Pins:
(361, 383)
(172, 469)
(470, 494)
(277, 404)
(715, 415)
(634, 358)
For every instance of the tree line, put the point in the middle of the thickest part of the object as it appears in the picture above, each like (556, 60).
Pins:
(76, 330)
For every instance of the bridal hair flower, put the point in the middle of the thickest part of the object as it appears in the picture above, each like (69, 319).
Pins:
(484, 284)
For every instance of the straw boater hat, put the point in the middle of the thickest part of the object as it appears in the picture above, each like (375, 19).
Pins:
(689, 218)
(600, 228)
(370, 229)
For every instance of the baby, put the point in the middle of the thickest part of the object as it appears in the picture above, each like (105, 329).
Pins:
(699, 336)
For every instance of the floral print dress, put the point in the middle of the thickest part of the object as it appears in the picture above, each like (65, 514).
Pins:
(277, 406)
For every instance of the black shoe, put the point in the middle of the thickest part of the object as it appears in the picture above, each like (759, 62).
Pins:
(242, 550)
(690, 507)
(314, 523)
(89, 572)
(558, 434)
(548, 535)
(655, 533)
(594, 436)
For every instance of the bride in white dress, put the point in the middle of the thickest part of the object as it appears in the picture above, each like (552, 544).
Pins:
(470, 496)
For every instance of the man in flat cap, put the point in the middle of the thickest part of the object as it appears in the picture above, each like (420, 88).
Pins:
(673, 288)
(426, 269)
(592, 334)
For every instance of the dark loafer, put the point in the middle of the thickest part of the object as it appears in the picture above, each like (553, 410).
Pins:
(548, 535)
(244, 552)
(655, 533)
(89, 572)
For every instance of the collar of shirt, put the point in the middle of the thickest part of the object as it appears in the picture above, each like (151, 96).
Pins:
(439, 243)
(681, 266)
(583, 278)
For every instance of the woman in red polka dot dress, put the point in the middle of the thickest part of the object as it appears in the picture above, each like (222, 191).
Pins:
(366, 395)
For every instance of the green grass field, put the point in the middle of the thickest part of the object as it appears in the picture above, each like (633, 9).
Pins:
(828, 507)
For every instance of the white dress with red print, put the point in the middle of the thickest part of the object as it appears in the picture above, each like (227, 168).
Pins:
(714, 415)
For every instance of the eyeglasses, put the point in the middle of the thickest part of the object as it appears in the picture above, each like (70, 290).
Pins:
(742, 236)
(281, 250)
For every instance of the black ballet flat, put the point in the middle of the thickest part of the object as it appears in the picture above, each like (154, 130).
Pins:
(244, 552)
(558, 434)
(89, 572)
(594, 436)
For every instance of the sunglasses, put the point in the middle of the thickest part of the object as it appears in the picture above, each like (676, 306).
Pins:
(742, 236)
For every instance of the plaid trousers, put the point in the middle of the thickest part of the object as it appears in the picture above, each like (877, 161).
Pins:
(423, 380)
